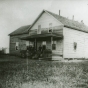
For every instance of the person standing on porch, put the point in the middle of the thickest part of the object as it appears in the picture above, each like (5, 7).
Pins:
(40, 48)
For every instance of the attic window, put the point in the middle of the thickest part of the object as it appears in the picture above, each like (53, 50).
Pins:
(17, 46)
(75, 45)
(50, 27)
(39, 29)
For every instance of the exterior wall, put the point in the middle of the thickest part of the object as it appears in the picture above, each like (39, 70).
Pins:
(59, 46)
(22, 44)
(81, 38)
(48, 43)
(44, 21)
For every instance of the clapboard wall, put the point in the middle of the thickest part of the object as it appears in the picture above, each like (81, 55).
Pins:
(81, 38)
(44, 20)
(22, 44)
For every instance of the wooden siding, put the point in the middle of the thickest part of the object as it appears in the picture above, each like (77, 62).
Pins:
(48, 44)
(81, 38)
(44, 20)
(33, 32)
(22, 44)
(56, 29)
(38, 44)
(59, 46)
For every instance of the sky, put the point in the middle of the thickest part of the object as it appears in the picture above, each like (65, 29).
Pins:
(17, 13)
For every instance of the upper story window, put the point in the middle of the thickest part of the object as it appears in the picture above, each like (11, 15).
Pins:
(39, 29)
(50, 27)
(17, 46)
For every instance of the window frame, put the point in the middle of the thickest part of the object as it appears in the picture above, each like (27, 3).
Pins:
(17, 46)
(44, 45)
(43, 42)
(50, 28)
(54, 43)
(39, 29)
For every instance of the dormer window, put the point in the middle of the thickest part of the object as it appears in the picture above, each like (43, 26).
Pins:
(39, 29)
(50, 27)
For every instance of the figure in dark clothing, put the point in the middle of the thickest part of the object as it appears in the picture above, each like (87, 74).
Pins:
(40, 48)
(44, 47)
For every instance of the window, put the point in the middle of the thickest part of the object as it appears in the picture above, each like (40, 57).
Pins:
(50, 27)
(39, 29)
(54, 45)
(27, 44)
(44, 45)
(17, 46)
(31, 43)
(75, 45)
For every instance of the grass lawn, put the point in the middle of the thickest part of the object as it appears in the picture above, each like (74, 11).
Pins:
(42, 74)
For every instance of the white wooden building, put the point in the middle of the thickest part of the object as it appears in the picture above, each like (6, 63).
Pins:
(66, 38)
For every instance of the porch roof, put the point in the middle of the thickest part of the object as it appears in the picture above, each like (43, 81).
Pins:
(42, 36)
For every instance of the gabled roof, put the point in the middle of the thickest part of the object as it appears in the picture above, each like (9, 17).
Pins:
(21, 30)
(65, 21)
(70, 23)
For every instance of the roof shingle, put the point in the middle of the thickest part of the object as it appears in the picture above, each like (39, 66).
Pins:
(70, 23)
(21, 30)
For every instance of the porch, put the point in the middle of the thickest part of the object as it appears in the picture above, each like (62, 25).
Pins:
(46, 42)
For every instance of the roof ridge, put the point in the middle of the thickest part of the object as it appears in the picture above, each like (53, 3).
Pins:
(72, 21)
(62, 16)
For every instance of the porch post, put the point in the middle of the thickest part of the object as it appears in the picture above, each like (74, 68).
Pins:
(51, 42)
(35, 43)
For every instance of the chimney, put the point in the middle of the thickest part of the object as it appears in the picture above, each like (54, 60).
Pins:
(73, 17)
(59, 12)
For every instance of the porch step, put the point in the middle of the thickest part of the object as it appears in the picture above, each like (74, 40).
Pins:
(56, 53)
(57, 58)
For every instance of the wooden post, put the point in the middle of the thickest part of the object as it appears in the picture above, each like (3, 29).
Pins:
(51, 42)
(27, 63)
(35, 44)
